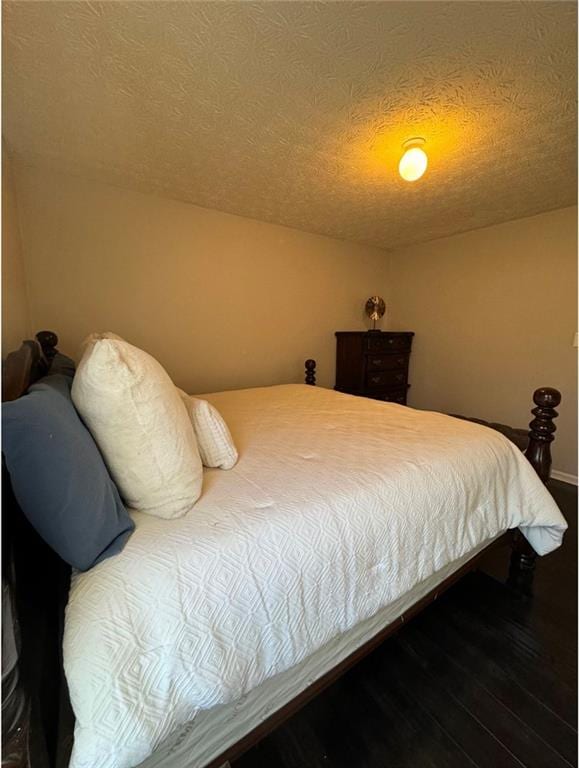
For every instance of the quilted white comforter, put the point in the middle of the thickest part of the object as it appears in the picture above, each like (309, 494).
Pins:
(338, 505)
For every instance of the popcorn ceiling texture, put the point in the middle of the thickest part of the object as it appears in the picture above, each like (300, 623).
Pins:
(295, 113)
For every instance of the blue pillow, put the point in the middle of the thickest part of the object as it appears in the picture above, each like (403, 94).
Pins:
(62, 364)
(59, 477)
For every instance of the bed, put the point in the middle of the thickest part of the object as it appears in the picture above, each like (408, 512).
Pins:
(343, 518)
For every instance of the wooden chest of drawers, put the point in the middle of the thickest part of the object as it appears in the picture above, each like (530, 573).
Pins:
(373, 364)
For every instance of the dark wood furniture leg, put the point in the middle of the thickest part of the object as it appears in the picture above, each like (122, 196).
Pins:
(522, 566)
(541, 435)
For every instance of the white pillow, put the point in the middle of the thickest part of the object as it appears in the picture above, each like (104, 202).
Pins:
(136, 416)
(92, 338)
(214, 439)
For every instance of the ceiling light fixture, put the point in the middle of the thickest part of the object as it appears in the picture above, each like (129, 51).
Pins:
(414, 161)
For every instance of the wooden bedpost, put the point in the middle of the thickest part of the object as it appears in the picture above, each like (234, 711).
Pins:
(311, 372)
(541, 431)
(541, 435)
(48, 341)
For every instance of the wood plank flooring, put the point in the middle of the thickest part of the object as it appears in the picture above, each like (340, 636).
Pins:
(481, 679)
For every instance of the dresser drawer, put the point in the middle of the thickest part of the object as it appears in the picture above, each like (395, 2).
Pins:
(388, 395)
(386, 379)
(387, 362)
(388, 343)
(395, 396)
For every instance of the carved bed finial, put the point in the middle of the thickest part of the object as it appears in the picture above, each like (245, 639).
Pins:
(311, 372)
(541, 435)
(541, 430)
(48, 341)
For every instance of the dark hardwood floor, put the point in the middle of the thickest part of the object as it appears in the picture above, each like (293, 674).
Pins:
(480, 679)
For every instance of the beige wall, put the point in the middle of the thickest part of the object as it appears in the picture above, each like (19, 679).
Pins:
(15, 314)
(222, 301)
(494, 311)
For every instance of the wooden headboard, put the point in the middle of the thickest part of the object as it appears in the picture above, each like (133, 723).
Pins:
(37, 722)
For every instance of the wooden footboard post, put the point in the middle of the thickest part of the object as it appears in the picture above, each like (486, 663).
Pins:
(311, 372)
(541, 431)
(541, 435)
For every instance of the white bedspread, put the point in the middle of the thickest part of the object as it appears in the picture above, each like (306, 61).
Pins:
(337, 506)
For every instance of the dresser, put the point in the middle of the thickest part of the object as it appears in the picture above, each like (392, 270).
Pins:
(373, 364)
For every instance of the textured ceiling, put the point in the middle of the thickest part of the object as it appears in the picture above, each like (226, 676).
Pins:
(295, 112)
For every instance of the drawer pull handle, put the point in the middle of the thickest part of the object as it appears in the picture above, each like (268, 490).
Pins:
(390, 341)
(375, 379)
(377, 361)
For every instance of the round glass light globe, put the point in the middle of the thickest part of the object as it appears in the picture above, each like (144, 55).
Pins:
(413, 163)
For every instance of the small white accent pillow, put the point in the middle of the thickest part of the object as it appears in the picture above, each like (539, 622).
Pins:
(137, 419)
(214, 439)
